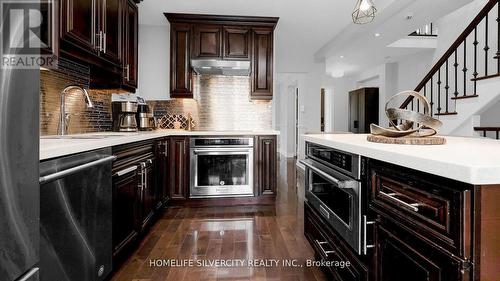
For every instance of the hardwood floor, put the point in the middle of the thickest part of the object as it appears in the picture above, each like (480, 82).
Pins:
(228, 233)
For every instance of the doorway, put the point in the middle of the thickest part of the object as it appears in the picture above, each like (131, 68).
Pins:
(326, 115)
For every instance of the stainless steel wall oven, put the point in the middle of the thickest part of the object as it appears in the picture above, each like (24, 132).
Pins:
(221, 167)
(334, 188)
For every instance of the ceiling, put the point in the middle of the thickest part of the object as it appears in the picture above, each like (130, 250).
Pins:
(356, 48)
(304, 26)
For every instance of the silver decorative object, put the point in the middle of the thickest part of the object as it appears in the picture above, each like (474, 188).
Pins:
(415, 124)
(364, 12)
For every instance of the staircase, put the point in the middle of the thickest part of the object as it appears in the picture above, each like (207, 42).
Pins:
(466, 79)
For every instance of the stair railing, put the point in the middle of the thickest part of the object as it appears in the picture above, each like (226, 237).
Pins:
(485, 131)
(442, 82)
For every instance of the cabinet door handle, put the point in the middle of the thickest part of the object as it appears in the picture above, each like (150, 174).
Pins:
(320, 245)
(105, 41)
(365, 245)
(126, 171)
(100, 41)
(127, 72)
(391, 196)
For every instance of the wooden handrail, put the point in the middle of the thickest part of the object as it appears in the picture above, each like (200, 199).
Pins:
(489, 129)
(468, 30)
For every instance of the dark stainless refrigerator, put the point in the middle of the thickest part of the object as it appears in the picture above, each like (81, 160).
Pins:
(363, 109)
(19, 188)
(19, 151)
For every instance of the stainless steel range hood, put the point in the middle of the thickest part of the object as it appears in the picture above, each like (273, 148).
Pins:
(221, 67)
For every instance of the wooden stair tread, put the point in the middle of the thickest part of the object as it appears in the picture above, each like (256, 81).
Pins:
(486, 77)
(445, 113)
(464, 97)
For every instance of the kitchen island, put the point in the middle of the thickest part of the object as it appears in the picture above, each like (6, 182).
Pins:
(429, 212)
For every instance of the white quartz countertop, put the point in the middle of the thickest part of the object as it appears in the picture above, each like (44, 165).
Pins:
(470, 160)
(51, 147)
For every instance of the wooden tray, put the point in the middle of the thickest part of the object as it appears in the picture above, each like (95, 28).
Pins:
(407, 140)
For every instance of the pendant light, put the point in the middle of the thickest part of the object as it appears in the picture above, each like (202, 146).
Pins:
(364, 12)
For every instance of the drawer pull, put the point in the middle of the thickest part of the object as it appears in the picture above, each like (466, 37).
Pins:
(326, 253)
(391, 196)
(324, 212)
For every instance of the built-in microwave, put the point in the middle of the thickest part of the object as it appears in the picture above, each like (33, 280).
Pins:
(334, 189)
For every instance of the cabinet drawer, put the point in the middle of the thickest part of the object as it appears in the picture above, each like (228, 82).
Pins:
(401, 256)
(329, 248)
(435, 208)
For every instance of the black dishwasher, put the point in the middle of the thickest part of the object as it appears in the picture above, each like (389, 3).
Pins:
(76, 217)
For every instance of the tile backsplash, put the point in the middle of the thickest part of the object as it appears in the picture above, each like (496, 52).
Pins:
(222, 103)
(82, 119)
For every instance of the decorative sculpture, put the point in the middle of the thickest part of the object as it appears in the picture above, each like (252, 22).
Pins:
(414, 124)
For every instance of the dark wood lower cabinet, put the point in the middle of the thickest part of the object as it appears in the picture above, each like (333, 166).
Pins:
(125, 193)
(147, 194)
(134, 191)
(340, 262)
(266, 164)
(179, 168)
(400, 256)
(162, 173)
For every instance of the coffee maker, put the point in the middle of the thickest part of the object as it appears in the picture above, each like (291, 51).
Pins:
(145, 118)
(124, 119)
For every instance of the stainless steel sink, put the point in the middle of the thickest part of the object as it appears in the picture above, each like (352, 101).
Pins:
(84, 137)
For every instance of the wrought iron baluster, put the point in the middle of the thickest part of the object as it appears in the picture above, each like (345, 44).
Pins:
(456, 73)
(465, 67)
(498, 39)
(486, 47)
(432, 96)
(447, 87)
(475, 60)
(439, 91)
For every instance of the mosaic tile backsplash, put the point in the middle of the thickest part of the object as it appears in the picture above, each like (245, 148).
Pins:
(222, 103)
(82, 119)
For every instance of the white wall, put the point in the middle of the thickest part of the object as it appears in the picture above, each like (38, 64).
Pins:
(491, 117)
(154, 62)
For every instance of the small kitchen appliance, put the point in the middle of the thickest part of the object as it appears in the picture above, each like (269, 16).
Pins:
(124, 116)
(145, 118)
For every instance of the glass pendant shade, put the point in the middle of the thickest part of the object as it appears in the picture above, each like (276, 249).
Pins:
(364, 12)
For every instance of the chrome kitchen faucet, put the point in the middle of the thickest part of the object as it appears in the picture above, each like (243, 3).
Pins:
(62, 117)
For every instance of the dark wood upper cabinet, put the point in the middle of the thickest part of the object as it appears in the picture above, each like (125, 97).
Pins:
(130, 45)
(78, 25)
(103, 35)
(236, 43)
(266, 165)
(180, 61)
(110, 26)
(179, 168)
(207, 42)
(262, 64)
(221, 37)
